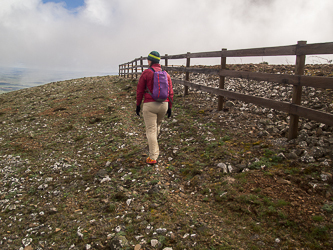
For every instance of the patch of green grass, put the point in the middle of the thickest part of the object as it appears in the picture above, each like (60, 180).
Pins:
(292, 171)
(67, 128)
(281, 203)
(267, 201)
(248, 199)
(154, 182)
(119, 196)
(112, 208)
(320, 233)
(147, 169)
(317, 218)
(32, 191)
(190, 171)
(205, 191)
(282, 215)
(256, 227)
(269, 159)
(226, 138)
(328, 208)
(10, 195)
(171, 168)
(79, 137)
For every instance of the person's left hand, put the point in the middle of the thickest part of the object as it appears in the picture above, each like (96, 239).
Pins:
(169, 112)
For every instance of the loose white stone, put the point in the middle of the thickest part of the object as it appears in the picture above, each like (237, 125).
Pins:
(185, 236)
(154, 242)
(26, 241)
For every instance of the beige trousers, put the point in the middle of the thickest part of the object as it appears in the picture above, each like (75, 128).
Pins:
(153, 115)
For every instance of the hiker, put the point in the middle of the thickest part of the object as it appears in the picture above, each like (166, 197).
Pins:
(153, 110)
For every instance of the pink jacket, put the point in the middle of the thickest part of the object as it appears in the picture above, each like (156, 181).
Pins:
(146, 79)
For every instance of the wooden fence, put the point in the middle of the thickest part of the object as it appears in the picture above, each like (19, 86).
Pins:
(300, 50)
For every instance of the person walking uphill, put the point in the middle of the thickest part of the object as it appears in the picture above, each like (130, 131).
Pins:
(153, 83)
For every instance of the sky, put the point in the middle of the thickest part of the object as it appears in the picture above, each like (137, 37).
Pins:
(98, 35)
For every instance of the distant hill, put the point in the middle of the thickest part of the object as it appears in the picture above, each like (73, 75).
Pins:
(12, 79)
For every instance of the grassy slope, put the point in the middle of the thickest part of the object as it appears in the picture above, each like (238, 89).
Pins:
(69, 131)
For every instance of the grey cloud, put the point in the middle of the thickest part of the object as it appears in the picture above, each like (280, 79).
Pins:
(105, 33)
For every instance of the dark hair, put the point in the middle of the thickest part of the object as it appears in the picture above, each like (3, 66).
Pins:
(152, 63)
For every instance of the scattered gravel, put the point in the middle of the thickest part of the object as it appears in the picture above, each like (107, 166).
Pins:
(72, 171)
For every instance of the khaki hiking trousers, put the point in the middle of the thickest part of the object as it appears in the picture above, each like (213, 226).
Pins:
(153, 115)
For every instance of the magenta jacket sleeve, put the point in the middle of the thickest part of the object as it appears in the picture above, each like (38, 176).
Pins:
(141, 88)
(171, 92)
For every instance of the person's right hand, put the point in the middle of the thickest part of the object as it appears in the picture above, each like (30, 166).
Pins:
(138, 108)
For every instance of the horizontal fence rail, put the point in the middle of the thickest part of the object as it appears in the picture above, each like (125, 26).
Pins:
(294, 109)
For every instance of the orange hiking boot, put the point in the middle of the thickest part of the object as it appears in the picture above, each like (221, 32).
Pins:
(150, 161)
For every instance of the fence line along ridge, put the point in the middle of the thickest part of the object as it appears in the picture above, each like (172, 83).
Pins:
(294, 109)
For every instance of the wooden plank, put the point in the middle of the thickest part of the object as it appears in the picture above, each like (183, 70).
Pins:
(293, 109)
(194, 70)
(315, 115)
(170, 68)
(315, 49)
(269, 51)
(282, 106)
(196, 55)
(209, 71)
(309, 81)
(317, 82)
(206, 54)
(308, 49)
(181, 56)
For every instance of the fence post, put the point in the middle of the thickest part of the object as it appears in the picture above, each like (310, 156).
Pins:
(166, 60)
(187, 75)
(141, 63)
(136, 68)
(132, 70)
(297, 94)
(222, 80)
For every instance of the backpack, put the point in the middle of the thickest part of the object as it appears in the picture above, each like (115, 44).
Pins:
(160, 86)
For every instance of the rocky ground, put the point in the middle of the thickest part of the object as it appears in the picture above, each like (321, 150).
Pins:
(72, 171)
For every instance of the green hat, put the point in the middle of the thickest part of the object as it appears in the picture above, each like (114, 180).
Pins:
(154, 56)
